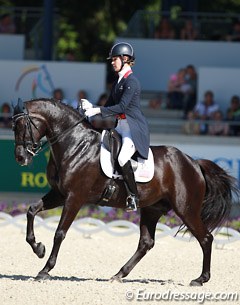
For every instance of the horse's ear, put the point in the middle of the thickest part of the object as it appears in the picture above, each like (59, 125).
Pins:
(20, 104)
(12, 104)
(19, 107)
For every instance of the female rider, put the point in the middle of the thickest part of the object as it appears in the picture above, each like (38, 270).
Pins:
(124, 104)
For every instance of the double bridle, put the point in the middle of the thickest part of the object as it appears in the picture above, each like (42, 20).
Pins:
(32, 146)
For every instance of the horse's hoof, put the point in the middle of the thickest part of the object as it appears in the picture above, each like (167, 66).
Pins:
(116, 278)
(42, 276)
(40, 251)
(196, 283)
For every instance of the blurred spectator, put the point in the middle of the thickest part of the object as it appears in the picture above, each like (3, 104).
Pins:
(235, 33)
(233, 114)
(218, 127)
(205, 110)
(191, 126)
(5, 118)
(178, 89)
(164, 30)
(70, 55)
(102, 99)
(7, 25)
(234, 109)
(58, 95)
(190, 98)
(188, 32)
(155, 103)
(82, 94)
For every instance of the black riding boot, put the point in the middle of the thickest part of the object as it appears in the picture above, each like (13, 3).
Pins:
(131, 187)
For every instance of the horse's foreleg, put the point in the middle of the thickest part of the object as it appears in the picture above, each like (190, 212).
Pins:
(38, 248)
(68, 214)
(149, 219)
(49, 201)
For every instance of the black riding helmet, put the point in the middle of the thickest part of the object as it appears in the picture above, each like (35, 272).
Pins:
(122, 49)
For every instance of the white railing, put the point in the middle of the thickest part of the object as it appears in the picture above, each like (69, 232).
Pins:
(88, 226)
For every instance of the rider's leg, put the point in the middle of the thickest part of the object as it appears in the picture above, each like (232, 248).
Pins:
(131, 187)
(127, 150)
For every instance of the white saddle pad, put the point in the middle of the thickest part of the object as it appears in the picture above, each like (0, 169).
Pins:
(144, 168)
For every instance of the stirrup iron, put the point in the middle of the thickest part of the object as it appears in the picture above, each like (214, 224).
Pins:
(131, 203)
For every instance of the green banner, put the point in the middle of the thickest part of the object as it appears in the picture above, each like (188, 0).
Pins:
(17, 178)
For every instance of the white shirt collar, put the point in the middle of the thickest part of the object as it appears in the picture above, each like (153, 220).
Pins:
(123, 72)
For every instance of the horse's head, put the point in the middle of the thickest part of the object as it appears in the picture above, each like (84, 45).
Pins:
(28, 132)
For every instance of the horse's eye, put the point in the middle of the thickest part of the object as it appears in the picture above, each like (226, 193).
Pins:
(35, 146)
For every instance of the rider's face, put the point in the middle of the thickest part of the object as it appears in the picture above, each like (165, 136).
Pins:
(116, 63)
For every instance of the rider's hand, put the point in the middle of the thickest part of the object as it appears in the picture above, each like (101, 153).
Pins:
(85, 104)
(92, 111)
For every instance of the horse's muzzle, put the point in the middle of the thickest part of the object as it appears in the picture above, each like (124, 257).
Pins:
(22, 156)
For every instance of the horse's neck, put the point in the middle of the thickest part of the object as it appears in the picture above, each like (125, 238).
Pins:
(74, 142)
(62, 123)
(58, 117)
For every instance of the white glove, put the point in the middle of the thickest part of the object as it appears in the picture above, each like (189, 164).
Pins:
(92, 111)
(85, 104)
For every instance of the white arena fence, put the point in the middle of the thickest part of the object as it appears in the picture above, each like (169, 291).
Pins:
(89, 226)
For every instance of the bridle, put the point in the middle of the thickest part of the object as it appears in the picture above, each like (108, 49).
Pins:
(32, 146)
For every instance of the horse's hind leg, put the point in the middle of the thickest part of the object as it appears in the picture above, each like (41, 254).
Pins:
(205, 238)
(49, 201)
(149, 218)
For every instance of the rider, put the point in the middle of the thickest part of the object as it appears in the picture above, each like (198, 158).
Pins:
(124, 104)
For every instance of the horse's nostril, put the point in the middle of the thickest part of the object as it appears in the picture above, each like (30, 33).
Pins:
(19, 159)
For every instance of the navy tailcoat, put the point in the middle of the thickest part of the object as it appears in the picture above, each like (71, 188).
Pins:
(125, 98)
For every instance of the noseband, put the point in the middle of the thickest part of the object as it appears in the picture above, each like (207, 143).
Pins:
(31, 145)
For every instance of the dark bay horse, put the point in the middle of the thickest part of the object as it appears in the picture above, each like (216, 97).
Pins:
(200, 192)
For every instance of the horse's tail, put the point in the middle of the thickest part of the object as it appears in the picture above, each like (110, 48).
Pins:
(220, 188)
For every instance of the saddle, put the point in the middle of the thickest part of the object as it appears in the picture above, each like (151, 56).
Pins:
(111, 143)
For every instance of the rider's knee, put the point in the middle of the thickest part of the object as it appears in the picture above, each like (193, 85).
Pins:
(123, 159)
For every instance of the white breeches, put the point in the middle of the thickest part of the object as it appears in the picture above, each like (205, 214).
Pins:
(128, 147)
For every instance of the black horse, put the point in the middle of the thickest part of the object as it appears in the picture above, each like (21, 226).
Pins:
(200, 192)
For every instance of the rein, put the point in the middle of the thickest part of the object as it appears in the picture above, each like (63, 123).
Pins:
(53, 140)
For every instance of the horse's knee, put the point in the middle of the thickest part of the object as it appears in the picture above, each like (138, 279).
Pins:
(59, 236)
(30, 212)
(146, 244)
(33, 210)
